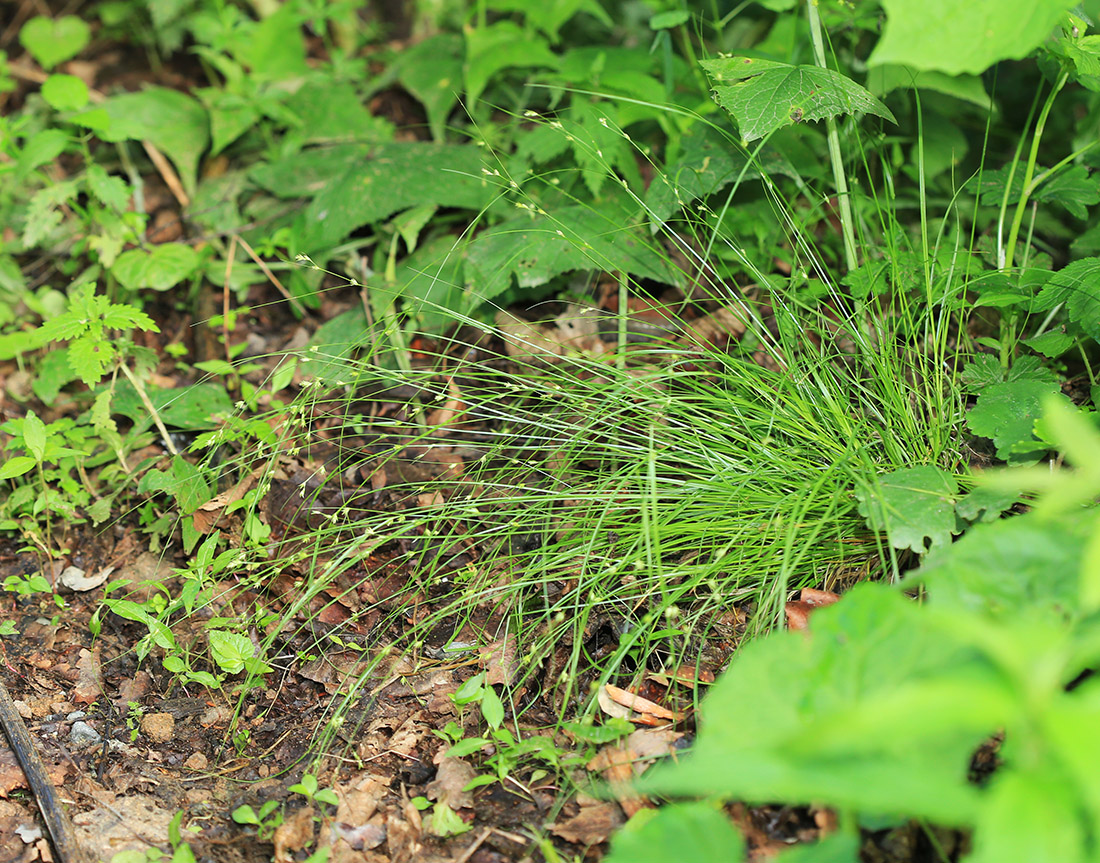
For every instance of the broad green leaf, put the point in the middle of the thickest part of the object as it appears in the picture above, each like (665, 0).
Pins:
(276, 51)
(333, 111)
(310, 171)
(915, 506)
(888, 77)
(1078, 287)
(549, 15)
(1006, 413)
(866, 659)
(708, 163)
(958, 38)
(51, 373)
(15, 466)
(397, 177)
(54, 40)
(429, 284)
(1032, 815)
(231, 115)
(1052, 343)
(195, 408)
(431, 71)
(764, 95)
(500, 46)
(65, 92)
(173, 121)
(572, 238)
(699, 832)
(90, 358)
(34, 436)
(334, 341)
(160, 269)
(1011, 567)
(230, 650)
(41, 148)
(668, 20)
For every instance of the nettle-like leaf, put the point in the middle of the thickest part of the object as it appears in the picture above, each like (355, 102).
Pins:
(915, 506)
(164, 267)
(1078, 287)
(1006, 413)
(985, 371)
(766, 95)
(969, 37)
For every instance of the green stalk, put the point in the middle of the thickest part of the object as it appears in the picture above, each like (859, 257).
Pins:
(1029, 172)
(846, 223)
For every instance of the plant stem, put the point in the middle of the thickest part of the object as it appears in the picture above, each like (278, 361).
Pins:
(846, 223)
(139, 387)
(1029, 172)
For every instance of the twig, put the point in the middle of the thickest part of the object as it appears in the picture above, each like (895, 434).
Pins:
(58, 825)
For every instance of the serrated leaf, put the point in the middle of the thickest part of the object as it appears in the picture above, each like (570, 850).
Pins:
(1052, 343)
(332, 111)
(230, 650)
(90, 358)
(160, 269)
(915, 506)
(1006, 413)
(967, 37)
(769, 95)
(1078, 287)
(111, 191)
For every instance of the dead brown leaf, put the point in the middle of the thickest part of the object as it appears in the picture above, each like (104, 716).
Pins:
(451, 778)
(592, 825)
(294, 834)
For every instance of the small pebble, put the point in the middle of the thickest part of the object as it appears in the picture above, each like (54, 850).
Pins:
(82, 735)
(158, 727)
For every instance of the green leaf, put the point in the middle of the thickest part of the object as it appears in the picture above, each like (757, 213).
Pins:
(467, 746)
(160, 269)
(670, 19)
(332, 111)
(1006, 413)
(708, 163)
(1052, 343)
(1010, 567)
(500, 46)
(195, 408)
(1078, 287)
(853, 705)
(111, 191)
(492, 708)
(16, 466)
(431, 71)
(915, 506)
(65, 92)
(969, 37)
(767, 95)
(275, 50)
(230, 650)
(571, 238)
(34, 436)
(357, 186)
(53, 41)
(1032, 815)
(90, 358)
(173, 121)
(888, 77)
(681, 831)
(332, 343)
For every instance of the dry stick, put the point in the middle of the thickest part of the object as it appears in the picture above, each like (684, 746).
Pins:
(58, 825)
(267, 272)
(225, 295)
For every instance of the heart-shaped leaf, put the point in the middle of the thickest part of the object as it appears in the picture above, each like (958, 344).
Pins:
(54, 40)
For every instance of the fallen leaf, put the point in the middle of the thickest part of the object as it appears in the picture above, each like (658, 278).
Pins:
(818, 598)
(451, 778)
(592, 825)
(89, 681)
(639, 704)
(292, 835)
(77, 581)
